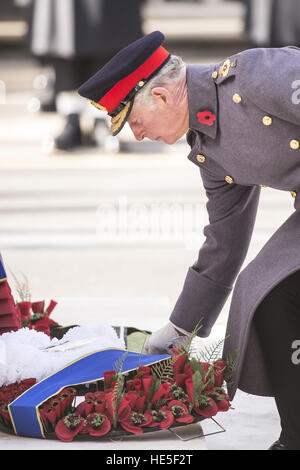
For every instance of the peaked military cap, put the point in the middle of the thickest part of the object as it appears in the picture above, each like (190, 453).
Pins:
(114, 86)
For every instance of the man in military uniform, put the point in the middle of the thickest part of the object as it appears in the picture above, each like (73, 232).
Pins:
(242, 121)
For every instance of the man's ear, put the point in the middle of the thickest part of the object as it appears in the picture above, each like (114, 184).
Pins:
(162, 96)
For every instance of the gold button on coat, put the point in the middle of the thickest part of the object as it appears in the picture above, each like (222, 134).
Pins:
(214, 74)
(293, 193)
(237, 98)
(267, 120)
(228, 179)
(294, 144)
(201, 158)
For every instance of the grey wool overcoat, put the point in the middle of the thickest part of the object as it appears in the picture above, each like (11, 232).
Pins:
(244, 133)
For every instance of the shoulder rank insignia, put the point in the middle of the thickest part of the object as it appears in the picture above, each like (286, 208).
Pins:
(224, 69)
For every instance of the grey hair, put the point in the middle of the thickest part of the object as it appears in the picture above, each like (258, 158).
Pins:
(171, 72)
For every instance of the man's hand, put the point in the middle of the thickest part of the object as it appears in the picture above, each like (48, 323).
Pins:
(163, 340)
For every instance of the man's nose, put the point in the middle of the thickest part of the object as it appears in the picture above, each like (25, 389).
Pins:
(137, 132)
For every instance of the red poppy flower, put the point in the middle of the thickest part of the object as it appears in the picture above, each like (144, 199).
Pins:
(96, 424)
(143, 371)
(50, 307)
(162, 392)
(42, 326)
(108, 377)
(4, 412)
(205, 366)
(206, 117)
(64, 398)
(129, 385)
(147, 381)
(62, 406)
(162, 418)
(89, 396)
(221, 400)
(98, 395)
(223, 404)
(180, 379)
(178, 363)
(48, 415)
(169, 380)
(25, 308)
(71, 394)
(99, 405)
(219, 368)
(132, 396)
(9, 396)
(207, 407)
(123, 411)
(178, 393)
(80, 409)
(208, 375)
(188, 370)
(180, 411)
(135, 421)
(98, 399)
(55, 404)
(176, 351)
(28, 382)
(88, 407)
(190, 388)
(140, 403)
(38, 307)
(137, 383)
(136, 400)
(69, 426)
(47, 321)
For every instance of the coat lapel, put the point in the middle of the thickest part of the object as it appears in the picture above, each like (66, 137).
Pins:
(202, 98)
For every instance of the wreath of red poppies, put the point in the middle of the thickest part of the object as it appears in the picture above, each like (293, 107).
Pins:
(34, 315)
(176, 391)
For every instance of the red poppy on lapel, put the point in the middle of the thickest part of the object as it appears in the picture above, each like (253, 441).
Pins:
(206, 117)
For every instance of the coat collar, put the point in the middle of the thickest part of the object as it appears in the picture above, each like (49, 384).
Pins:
(202, 96)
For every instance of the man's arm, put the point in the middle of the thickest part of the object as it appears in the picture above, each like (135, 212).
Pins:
(232, 212)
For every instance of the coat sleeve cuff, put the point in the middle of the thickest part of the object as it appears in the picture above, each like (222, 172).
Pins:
(201, 300)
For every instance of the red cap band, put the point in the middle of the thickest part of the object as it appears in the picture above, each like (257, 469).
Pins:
(121, 89)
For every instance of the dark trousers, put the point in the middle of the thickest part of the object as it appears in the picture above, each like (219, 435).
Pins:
(277, 321)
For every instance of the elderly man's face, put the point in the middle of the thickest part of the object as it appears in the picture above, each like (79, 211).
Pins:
(165, 123)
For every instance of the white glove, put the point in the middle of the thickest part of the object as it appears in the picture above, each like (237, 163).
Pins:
(163, 340)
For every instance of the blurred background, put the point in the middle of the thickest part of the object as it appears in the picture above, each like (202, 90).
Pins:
(107, 226)
(110, 222)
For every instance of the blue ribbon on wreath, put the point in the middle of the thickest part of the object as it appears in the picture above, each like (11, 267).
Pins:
(90, 368)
